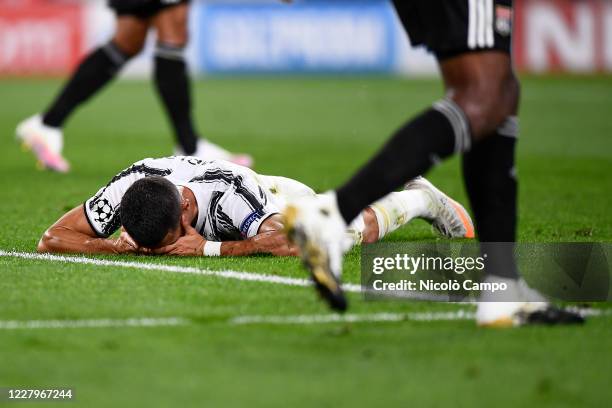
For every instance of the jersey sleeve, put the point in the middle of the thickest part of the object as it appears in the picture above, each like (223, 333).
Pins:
(102, 210)
(247, 206)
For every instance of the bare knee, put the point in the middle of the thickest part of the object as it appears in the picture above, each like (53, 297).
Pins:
(488, 103)
(171, 26)
(129, 47)
(130, 35)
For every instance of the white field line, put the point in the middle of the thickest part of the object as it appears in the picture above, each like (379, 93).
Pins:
(92, 323)
(240, 320)
(258, 319)
(353, 318)
(227, 274)
(461, 314)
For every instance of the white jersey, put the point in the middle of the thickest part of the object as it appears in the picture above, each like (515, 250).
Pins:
(232, 200)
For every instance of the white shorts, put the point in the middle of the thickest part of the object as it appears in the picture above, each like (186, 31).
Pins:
(282, 190)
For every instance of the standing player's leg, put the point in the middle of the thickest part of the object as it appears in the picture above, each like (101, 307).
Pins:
(489, 167)
(98, 69)
(172, 83)
(171, 78)
(42, 133)
(491, 181)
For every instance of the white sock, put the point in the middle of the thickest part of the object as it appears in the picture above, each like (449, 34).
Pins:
(355, 230)
(397, 209)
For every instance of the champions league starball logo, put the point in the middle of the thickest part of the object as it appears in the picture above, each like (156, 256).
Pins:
(102, 211)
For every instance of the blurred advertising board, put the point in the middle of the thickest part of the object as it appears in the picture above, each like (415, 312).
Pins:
(310, 36)
(41, 37)
(563, 35)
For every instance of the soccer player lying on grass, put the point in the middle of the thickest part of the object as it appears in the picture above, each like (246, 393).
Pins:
(182, 205)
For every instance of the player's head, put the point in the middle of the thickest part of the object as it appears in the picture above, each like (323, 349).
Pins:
(151, 212)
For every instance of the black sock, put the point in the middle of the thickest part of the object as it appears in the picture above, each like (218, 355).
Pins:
(490, 179)
(435, 134)
(91, 75)
(173, 87)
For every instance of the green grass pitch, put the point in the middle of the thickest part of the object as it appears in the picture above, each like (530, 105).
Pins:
(318, 131)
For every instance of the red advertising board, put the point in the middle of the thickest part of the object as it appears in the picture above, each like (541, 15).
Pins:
(39, 37)
(563, 35)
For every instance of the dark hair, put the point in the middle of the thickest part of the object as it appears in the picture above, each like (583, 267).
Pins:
(150, 208)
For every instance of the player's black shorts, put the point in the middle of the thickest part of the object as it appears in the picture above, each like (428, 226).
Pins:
(452, 27)
(142, 8)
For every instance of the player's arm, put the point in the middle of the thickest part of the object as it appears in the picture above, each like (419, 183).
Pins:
(269, 240)
(72, 233)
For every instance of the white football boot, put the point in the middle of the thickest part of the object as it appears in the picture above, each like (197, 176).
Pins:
(520, 305)
(44, 141)
(316, 226)
(206, 150)
(447, 216)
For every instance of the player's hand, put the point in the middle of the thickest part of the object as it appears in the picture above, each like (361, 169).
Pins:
(190, 244)
(125, 244)
(275, 243)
